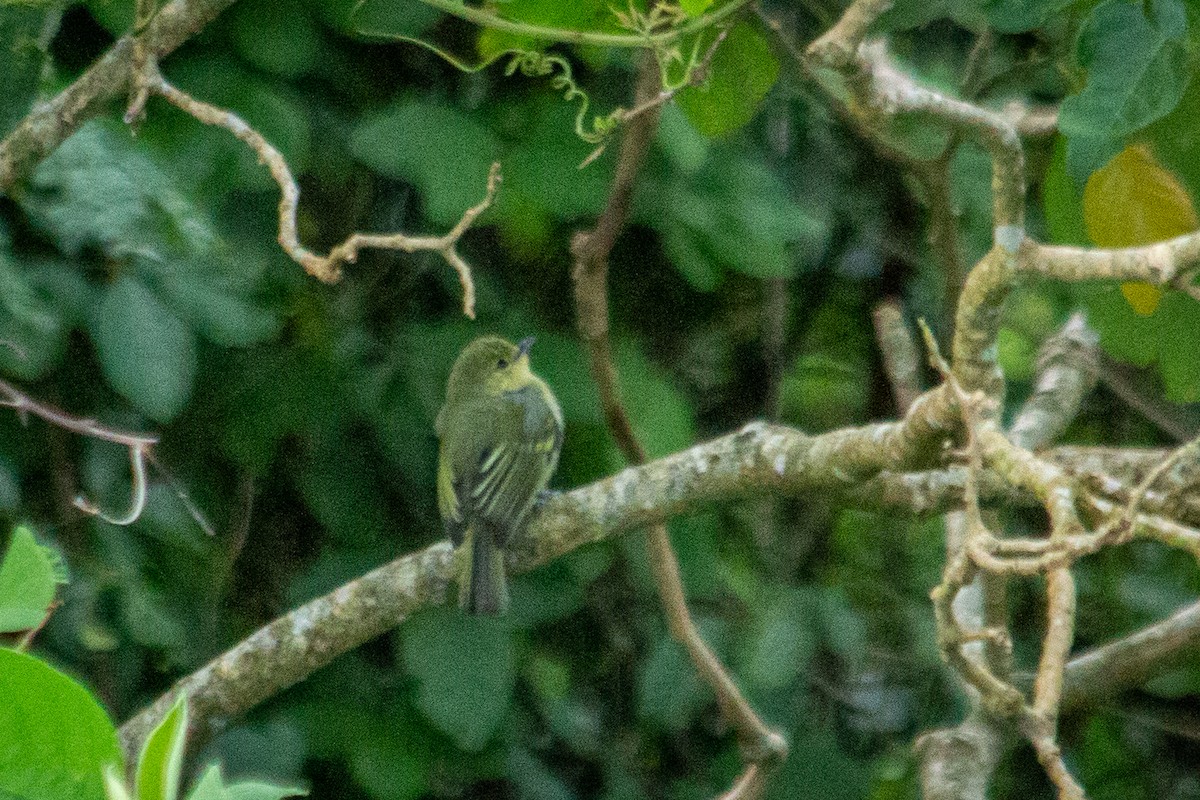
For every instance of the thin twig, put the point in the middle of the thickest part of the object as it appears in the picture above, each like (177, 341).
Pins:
(25, 405)
(328, 268)
(591, 251)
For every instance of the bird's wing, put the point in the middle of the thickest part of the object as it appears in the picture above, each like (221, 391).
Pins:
(498, 480)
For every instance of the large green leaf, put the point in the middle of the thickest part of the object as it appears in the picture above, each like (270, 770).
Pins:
(277, 36)
(1136, 60)
(733, 213)
(669, 691)
(582, 15)
(443, 151)
(1062, 201)
(57, 739)
(216, 310)
(1016, 16)
(783, 642)
(99, 189)
(661, 417)
(742, 71)
(465, 671)
(146, 351)
(29, 577)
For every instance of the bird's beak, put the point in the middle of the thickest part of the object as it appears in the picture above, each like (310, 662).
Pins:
(524, 345)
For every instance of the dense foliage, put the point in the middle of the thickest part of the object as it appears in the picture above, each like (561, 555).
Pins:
(142, 286)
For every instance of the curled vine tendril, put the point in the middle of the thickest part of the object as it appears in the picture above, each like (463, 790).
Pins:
(533, 64)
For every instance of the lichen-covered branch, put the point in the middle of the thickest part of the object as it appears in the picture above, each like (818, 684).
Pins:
(91, 94)
(898, 348)
(1173, 261)
(1100, 674)
(1068, 367)
(757, 459)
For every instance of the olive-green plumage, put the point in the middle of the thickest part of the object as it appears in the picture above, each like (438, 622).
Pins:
(500, 432)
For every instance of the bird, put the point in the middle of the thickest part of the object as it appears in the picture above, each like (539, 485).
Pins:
(500, 433)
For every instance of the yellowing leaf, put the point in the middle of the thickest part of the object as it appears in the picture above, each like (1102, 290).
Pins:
(1142, 297)
(1132, 200)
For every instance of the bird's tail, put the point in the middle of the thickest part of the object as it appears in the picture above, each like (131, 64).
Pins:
(483, 588)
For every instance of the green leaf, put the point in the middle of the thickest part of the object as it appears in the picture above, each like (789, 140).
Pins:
(660, 415)
(734, 213)
(906, 14)
(742, 71)
(442, 151)
(1136, 58)
(161, 760)
(277, 36)
(1062, 203)
(258, 790)
(29, 577)
(465, 672)
(57, 738)
(826, 771)
(211, 785)
(99, 189)
(146, 352)
(32, 328)
(1086, 154)
(115, 15)
(389, 771)
(669, 691)
(1177, 357)
(581, 15)
(220, 315)
(543, 168)
(379, 17)
(533, 778)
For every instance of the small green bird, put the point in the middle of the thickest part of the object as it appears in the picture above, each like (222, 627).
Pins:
(500, 431)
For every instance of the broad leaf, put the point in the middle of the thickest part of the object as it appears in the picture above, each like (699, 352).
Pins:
(161, 759)
(147, 353)
(58, 740)
(465, 671)
(742, 71)
(29, 577)
(1136, 60)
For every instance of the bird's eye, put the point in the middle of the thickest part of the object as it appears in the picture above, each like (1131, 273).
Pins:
(501, 364)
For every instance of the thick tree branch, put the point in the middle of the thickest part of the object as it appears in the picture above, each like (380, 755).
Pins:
(1068, 367)
(107, 80)
(759, 459)
(756, 460)
(1104, 672)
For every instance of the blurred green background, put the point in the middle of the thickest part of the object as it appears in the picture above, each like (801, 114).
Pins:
(140, 283)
